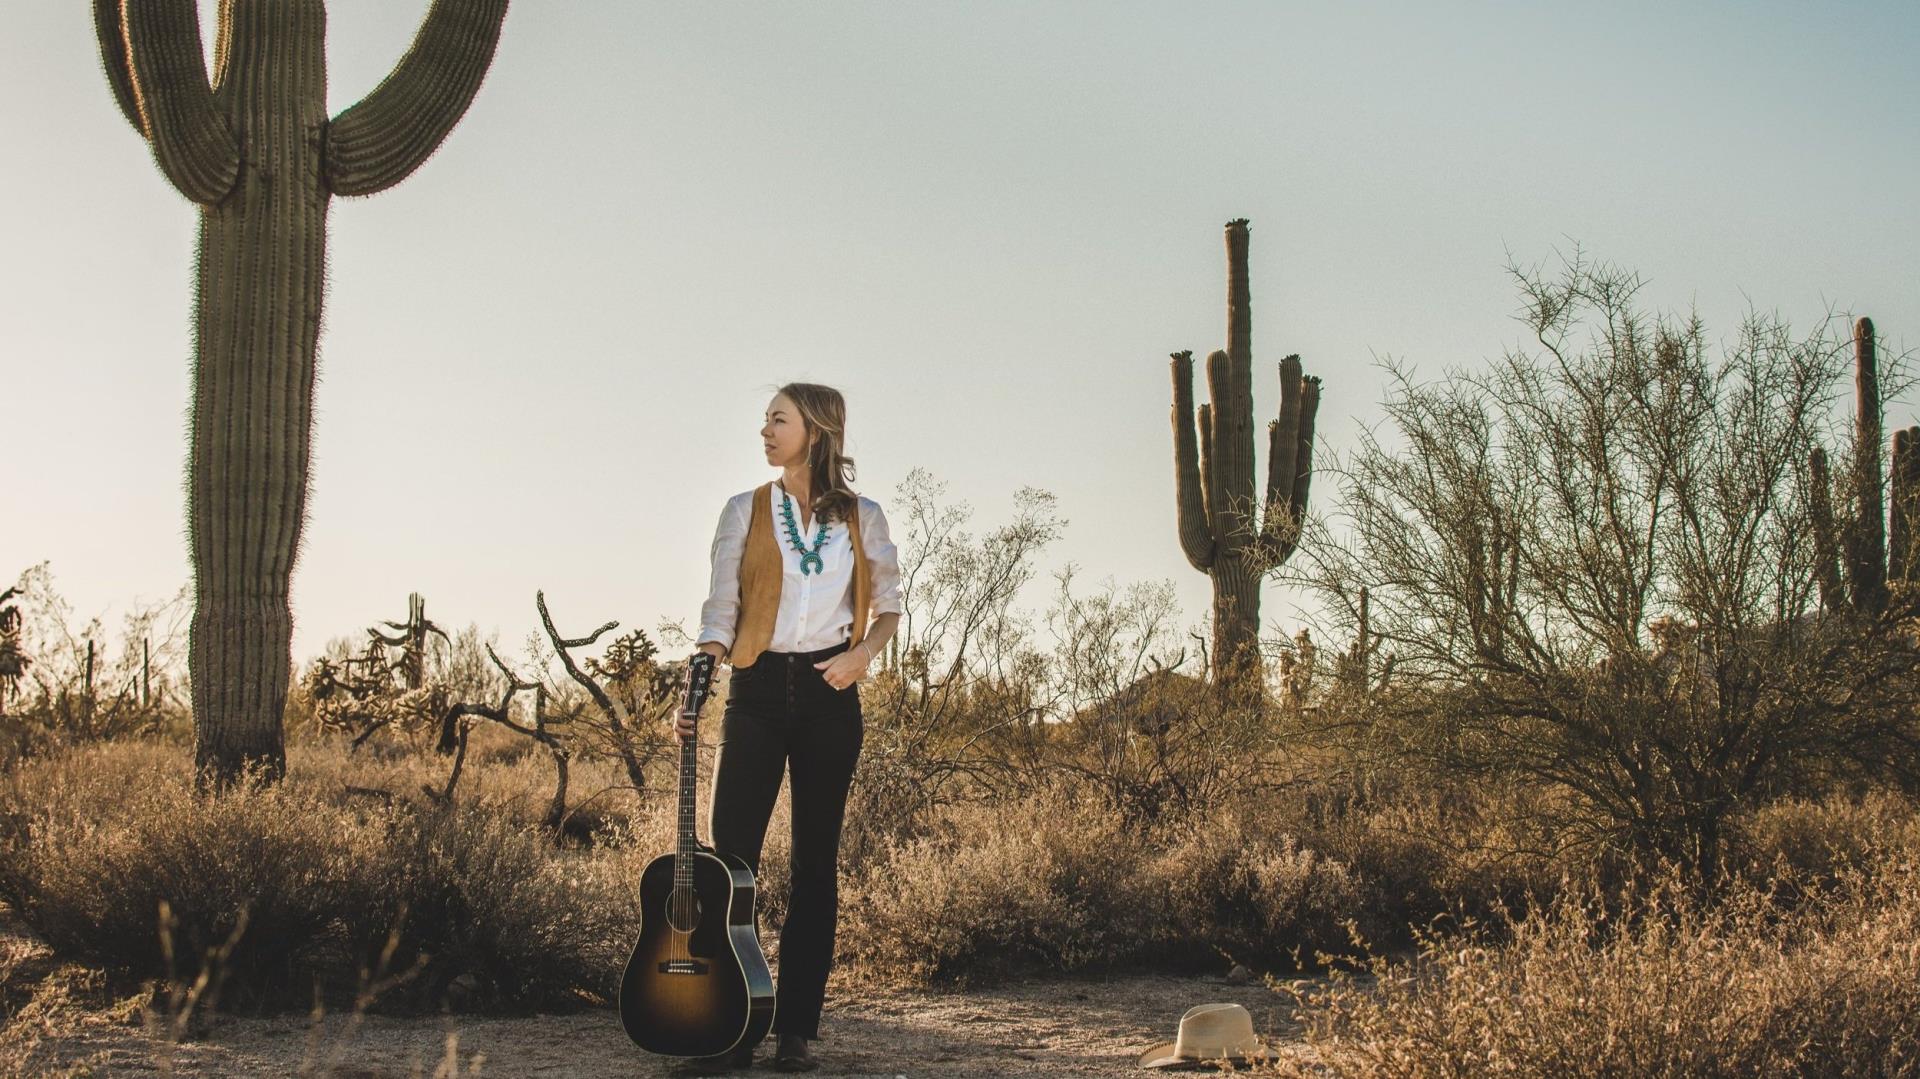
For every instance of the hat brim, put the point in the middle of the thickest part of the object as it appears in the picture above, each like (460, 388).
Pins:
(1162, 1057)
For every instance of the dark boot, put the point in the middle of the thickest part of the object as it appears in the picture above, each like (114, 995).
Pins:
(793, 1055)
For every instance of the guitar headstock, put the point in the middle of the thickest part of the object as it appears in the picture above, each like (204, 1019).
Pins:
(699, 681)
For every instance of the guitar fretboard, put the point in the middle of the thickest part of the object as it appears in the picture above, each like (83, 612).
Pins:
(689, 758)
(699, 672)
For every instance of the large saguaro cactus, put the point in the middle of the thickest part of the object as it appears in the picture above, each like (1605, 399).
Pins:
(1214, 475)
(1857, 558)
(256, 150)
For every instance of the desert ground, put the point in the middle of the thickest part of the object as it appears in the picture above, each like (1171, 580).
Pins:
(1055, 1026)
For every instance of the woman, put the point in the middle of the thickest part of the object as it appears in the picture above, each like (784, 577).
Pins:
(799, 565)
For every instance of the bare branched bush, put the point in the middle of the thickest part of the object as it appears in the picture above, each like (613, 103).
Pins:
(1150, 738)
(73, 689)
(959, 700)
(1594, 563)
(611, 707)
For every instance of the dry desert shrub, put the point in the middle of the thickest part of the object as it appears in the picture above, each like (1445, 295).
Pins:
(1816, 838)
(1062, 879)
(91, 844)
(497, 775)
(1045, 881)
(1227, 887)
(615, 829)
(98, 837)
(1418, 847)
(1664, 986)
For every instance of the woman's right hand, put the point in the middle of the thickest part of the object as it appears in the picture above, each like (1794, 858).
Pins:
(683, 725)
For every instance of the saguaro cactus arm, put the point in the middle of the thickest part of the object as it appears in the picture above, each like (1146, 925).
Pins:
(1283, 448)
(1900, 506)
(113, 57)
(1220, 456)
(393, 130)
(1196, 538)
(1209, 475)
(1289, 461)
(1303, 460)
(152, 53)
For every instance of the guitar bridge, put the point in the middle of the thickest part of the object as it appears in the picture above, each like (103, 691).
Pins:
(683, 966)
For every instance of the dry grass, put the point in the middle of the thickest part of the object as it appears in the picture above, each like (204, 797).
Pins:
(1061, 879)
(1234, 886)
(1817, 839)
(1827, 983)
(96, 840)
(485, 907)
(387, 901)
(1044, 882)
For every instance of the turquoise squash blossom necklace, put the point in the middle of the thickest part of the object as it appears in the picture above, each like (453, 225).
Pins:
(809, 560)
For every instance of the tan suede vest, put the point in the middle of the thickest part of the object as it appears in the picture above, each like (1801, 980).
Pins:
(761, 571)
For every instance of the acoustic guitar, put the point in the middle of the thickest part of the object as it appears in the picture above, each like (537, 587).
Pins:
(697, 983)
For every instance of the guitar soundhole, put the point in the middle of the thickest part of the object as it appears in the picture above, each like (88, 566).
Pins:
(683, 909)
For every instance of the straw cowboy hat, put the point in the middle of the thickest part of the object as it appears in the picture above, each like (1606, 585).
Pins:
(1210, 1033)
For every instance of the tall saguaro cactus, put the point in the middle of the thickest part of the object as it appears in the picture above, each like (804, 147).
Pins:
(1214, 475)
(255, 149)
(1858, 557)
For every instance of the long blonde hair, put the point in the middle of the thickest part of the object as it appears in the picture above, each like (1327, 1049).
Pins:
(830, 471)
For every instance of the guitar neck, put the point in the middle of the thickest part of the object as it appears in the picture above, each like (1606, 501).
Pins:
(689, 842)
(699, 675)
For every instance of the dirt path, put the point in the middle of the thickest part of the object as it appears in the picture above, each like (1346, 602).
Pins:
(1064, 1026)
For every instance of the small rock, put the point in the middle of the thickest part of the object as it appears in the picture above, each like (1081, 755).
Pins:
(1239, 975)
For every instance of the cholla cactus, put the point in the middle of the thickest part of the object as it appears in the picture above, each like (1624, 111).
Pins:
(257, 152)
(13, 658)
(1357, 666)
(411, 638)
(1214, 474)
(1298, 671)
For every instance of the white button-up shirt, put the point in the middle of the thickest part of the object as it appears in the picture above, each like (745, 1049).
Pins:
(816, 609)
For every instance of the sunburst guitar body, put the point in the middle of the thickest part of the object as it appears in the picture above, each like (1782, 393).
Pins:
(697, 983)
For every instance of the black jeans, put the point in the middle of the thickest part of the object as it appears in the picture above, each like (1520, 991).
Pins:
(780, 712)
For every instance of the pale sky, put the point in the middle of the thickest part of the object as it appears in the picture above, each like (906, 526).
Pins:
(546, 355)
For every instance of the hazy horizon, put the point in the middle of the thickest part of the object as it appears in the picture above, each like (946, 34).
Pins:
(545, 355)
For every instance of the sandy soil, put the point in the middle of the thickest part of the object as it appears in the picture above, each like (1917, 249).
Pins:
(1059, 1026)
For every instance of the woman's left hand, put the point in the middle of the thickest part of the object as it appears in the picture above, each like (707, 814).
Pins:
(846, 668)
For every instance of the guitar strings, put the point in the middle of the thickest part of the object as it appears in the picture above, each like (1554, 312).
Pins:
(681, 900)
